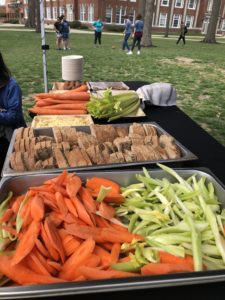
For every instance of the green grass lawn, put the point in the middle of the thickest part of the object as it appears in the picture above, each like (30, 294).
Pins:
(196, 70)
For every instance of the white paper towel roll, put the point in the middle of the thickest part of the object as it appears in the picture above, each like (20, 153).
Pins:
(72, 67)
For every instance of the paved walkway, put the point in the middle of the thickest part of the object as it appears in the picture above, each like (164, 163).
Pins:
(50, 28)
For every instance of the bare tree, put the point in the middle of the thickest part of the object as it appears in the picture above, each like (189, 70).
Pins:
(168, 19)
(38, 19)
(147, 32)
(141, 7)
(30, 23)
(210, 36)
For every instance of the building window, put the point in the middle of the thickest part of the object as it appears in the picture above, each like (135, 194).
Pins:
(223, 25)
(162, 20)
(26, 13)
(209, 7)
(48, 10)
(179, 3)
(164, 2)
(54, 12)
(120, 12)
(90, 13)
(192, 4)
(61, 10)
(69, 9)
(133, 1)
(82, 12)
(176, 21)
(108, 15)
(131, 15)
(189, 21)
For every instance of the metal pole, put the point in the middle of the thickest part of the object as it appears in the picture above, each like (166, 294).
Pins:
(43, 45)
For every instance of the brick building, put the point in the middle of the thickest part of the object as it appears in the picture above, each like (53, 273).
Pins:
(195, 13)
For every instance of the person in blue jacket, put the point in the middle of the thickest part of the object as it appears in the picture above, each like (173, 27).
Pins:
(11, 114)
(138, 32)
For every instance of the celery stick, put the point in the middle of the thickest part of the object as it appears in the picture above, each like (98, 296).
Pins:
(196, 244)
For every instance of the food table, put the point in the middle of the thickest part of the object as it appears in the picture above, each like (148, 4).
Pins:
(211, 155)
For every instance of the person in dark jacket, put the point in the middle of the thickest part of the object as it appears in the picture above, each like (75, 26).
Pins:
(11, 114)
(183, 31)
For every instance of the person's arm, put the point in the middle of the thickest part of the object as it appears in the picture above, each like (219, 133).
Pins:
(93, 26)
(13, 110)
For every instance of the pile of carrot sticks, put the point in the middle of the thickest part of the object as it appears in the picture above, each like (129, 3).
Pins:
(58, 232)
(72, 102)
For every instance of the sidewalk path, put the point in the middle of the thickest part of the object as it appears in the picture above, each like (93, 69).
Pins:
(50, 28)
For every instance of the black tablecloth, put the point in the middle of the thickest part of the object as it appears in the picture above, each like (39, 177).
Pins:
(211, 154)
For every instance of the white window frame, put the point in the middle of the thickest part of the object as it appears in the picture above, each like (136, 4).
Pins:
(210, 4)
(69, 12)
(178, 17)
(191, 18)
(165, 4)
(54, 12)
(61, 10)
(180, 5)
(91, 13)
(82, 12)
(160, 18)
(122, 12)
(194, 4)
(109, 12)
(223, 25)
(48, 13)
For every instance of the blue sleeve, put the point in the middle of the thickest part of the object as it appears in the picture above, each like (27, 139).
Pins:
(12, 104)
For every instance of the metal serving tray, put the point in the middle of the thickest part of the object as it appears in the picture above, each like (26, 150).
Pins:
(20, 184)
(187, 155)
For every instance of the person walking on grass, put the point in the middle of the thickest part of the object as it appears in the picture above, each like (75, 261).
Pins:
(58, 32)
(183, 31)
(98, 27)
(65, 33)
(127, 33)
(138, 32)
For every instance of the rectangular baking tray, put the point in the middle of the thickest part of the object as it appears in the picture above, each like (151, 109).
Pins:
(20, 184)
(103, 85)
(187, 155)
(62, 120)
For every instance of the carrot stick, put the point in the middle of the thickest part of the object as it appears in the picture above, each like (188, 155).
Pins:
(104, 255)
(101, 222)
(166, 257)
(52, 252)
(71, 207)
(73, 106)
(49, 101)
(43, 111)
(84, 232)
(81, 211)
(7, 215)
(67, 95)
(160, 268)
(114, 236)
(9, 229)
(93, 261)
(54, 237)
(76, 259)
(94, 184)
(82, 88)
(37, 208)
(35, 265)
(94, 273)
(115, 253)
(23, 275)
(26, 243)
(16, 203)
(41, 248)
(61, 203)
(54, 264)
(107, 211)
(73, 185)
(114, 198)
(87, 200)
